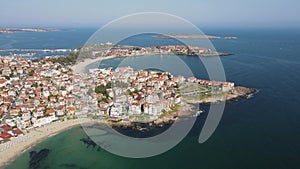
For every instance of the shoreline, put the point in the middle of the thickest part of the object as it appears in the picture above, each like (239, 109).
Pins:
(19, 145)
(82, 65)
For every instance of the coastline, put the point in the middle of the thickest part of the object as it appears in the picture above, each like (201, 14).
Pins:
(80, 67)
(21, 144)
(187, 36)
(17, 146)
(239, 93)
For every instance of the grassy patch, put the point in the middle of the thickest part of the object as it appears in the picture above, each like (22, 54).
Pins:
(173, 109)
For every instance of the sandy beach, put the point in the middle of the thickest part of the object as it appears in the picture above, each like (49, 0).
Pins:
(12, 149)
(80, 66)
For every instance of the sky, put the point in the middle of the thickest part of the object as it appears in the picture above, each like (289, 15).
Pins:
(239, 13)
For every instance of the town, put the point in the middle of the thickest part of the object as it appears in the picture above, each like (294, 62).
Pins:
(109, 49)
(124, 94)
(35, 93)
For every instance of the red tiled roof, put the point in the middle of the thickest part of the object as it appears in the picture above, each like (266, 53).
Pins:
(17, 131)
(5, 135)
(60, 107)
(71, 109)
(2, 81)
(6, 127)
(50, 111)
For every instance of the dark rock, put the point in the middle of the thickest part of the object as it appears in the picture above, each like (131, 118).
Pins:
(37, 157)
(89, 142)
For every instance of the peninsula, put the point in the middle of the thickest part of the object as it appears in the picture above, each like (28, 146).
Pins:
(109, 50)
(191, 36)
(41, 97)
(15, 30)
(187, 36)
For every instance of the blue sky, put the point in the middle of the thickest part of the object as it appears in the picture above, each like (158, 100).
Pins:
(250, 13)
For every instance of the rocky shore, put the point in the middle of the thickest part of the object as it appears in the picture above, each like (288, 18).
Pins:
(239, 92)
(189, 109)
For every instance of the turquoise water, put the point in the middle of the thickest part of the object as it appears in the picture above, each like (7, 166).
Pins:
(63, 155)
(262, 132)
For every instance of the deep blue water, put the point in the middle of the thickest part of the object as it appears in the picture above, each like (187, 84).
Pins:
(261, 132)
(67, 38)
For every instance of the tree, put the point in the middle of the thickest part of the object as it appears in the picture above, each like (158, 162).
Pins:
(34, 85)
(100, 89)
(31, 73)
(7, 77)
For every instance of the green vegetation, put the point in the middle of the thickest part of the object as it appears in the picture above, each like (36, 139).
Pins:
(101, 89)
(67, 60)
(173, 109)
(63, 60)
(31, 73)
(131, 93)
(136, 48)
(7, 77)
(202, 96)
(197, 96)
(193, 87)
(34, 85)
(103, 100)
(108, 85)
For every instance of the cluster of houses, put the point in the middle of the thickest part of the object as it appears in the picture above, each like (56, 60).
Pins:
(7, 132)
(135, 51)
(221, 86)
(181, 49)
(36, 93)
(134, 92)
(33, 94)
(131, 92)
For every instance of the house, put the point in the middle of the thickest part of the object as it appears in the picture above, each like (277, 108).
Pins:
(3, 83)
(177, 99)
(114, 112)
(71, 110)
(26, 115)
(14, 111)
(6, 128)
(179, 79)
(50, 112)
(192, 79)
(41, 121)
(60, 110)
(17, 132)
(5, 135)
(134, 108)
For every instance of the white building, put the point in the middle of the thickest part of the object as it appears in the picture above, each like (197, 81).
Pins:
(38, 122)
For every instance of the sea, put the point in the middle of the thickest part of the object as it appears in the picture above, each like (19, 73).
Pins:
(260, 132)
